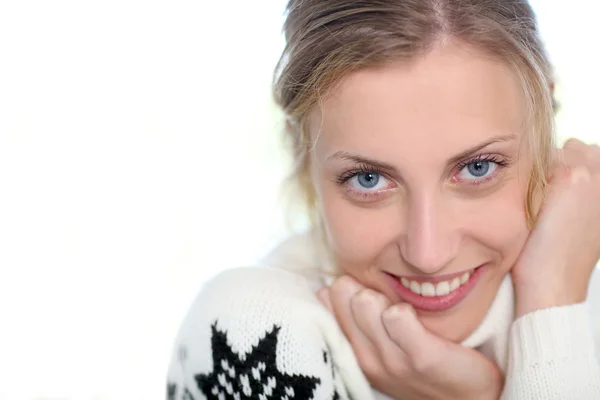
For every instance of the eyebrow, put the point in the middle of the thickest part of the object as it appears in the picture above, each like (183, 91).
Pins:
(344, 155)
(475, 149)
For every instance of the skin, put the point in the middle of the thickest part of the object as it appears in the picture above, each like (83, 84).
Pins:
(426, 217)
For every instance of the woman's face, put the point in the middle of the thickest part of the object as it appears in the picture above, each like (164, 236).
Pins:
(422, 184)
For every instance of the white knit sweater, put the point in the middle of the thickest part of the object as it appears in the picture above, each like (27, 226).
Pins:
(260, 333)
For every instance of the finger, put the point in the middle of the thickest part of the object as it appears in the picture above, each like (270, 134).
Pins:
(580, 174)
(556, 158)
(596, 157)
(404, 329)
(573, 153)
(368, 307)
(581, 160)
(573, 143)
(564, 162)
(431, 355)
(557, 164)
(559, 173)
(342, 291)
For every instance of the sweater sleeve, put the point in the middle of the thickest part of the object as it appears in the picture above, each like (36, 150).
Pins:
(552, 356)
(258, 333)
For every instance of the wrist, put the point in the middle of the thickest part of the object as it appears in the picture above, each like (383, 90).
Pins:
(529, 301)
(492, 390)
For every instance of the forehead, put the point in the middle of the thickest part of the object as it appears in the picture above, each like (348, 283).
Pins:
(449, 98)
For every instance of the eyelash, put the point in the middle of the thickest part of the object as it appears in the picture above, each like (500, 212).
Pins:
(500, 162)
(482, 158)
(361, 169)
(365, 169)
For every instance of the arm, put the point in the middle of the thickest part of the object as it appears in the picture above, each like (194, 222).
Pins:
(256, 333)
(552, 356)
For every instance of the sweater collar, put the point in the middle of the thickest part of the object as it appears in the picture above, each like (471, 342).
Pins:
(491, 336)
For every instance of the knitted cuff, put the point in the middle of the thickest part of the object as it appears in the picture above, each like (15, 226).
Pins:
(555, 334)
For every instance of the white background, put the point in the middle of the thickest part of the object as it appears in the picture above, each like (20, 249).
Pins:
(139, 155)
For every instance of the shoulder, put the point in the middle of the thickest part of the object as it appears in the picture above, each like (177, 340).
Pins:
(281, 286)
(260, 332)
(253, 297)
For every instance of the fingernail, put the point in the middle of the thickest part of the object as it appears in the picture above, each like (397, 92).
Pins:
(399, 311)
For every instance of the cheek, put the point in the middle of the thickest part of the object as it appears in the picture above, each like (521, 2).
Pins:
(499, 222)
(357, 235)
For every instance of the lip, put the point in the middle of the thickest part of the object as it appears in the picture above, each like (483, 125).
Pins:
(436, 303)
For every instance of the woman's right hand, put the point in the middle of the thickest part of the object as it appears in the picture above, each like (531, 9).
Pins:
(399, 356)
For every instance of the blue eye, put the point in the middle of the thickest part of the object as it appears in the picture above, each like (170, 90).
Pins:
(368, 181)
(478, 169)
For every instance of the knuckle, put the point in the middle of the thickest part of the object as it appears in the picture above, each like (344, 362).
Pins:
(346, 284)
(372, 297)
(369, 364)
(594, 154)
(572, 142)
(394, 316)
(359, 301)
(368, 301)
(378, 380)
(403, 310)
(423, 363)
(394, 364)
(592, 150)
(338, 287)
(580, 174)
(381, 300)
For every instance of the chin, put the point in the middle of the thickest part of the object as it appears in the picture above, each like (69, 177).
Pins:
(449, 327)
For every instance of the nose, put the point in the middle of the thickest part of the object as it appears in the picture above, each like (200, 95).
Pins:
(430, 237)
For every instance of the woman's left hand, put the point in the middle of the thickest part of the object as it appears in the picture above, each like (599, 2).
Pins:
(556, 264)
(399, 356)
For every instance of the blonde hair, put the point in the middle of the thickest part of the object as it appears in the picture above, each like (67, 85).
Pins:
(328, 39)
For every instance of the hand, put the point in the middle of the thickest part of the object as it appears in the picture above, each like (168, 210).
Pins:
(399, 356)
(556, 264)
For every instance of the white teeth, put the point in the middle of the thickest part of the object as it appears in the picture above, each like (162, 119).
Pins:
(464, 278)
(427, 289)
(415, 287)
(454, 284)
(442, 289)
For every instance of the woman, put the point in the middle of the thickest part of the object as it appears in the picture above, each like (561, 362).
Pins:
(452, 245)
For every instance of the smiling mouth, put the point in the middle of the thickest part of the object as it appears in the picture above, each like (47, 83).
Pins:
(436, 294)
(439, 288)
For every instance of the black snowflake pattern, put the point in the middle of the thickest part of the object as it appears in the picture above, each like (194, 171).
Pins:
(326, 360)
(251, 377)
(254, 376)
(171, 391)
